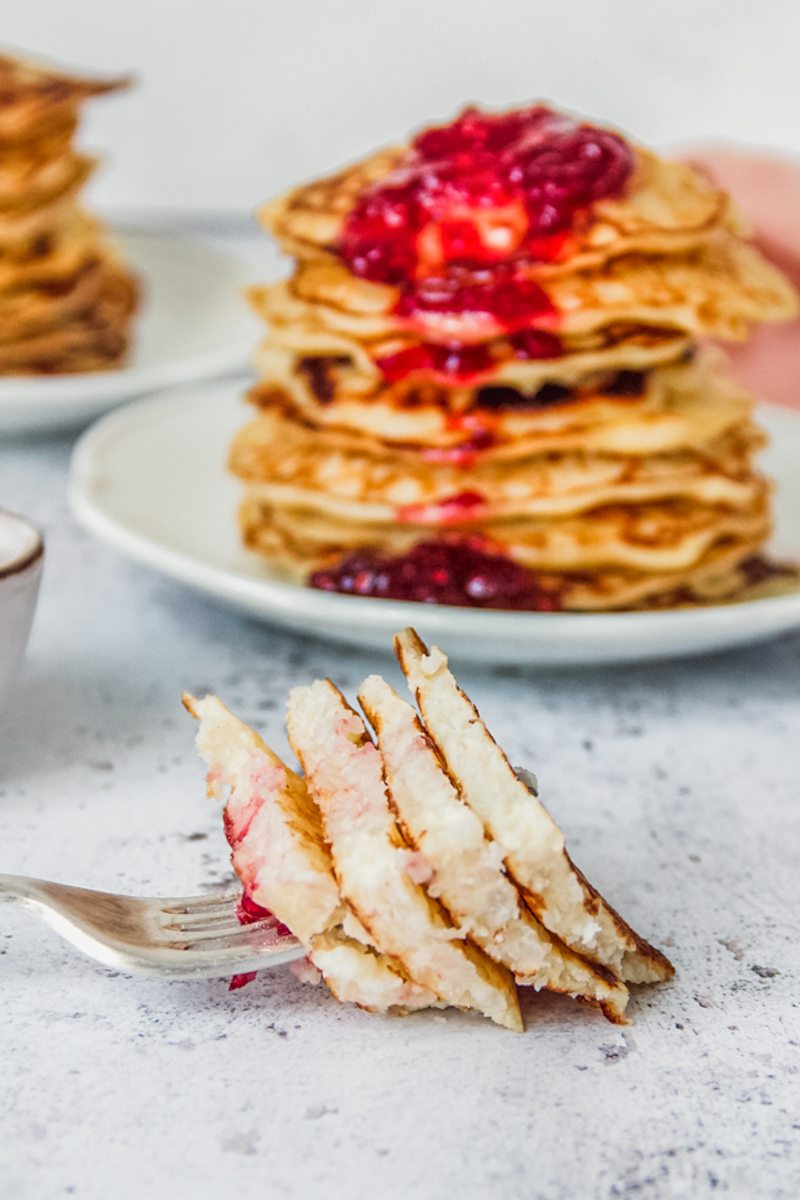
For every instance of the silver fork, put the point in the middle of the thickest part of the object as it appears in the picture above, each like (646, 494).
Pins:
(185, 937)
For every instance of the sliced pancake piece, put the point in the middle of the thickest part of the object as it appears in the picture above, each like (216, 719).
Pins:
(375, 870)
(280, 857)
(535, 854)
(468, 875)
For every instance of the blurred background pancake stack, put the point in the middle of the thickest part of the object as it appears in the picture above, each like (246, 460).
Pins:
(488, 380)
(66, 298)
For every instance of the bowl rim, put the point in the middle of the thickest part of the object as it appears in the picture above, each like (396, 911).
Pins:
(27, 558)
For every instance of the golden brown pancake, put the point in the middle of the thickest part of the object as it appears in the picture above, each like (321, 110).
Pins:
(678, 406)
(354, 363)
(36, 99)
(65, 298)
(93, 340)
(56, 256)
(286, 462)
(298, 544)
(667, 536)
(23, 224)
(719, 291)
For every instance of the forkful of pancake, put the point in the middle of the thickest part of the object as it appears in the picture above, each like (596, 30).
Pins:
(415, 866)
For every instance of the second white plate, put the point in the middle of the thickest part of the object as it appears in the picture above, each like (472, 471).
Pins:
(193, 323)
(150, 479)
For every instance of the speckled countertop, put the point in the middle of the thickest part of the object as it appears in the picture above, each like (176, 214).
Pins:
(677, 786)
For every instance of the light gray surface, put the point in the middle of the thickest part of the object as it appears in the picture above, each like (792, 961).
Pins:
(676, 784)
(233, 102)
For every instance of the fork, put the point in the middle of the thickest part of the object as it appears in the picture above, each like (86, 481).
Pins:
(188, 937)
(185, 937)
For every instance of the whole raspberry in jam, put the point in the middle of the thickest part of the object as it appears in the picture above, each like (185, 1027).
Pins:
(567, 172)
(454, 573)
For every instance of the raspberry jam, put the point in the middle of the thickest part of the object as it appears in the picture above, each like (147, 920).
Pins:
(453, 510)
(459, 364)
(450, 364)
(247, 913)
(241, 980)
(458, 223)
(460, 573)
(499, 297)
(486, 188)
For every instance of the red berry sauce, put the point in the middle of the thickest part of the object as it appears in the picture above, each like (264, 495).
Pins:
(241, 980)
(458, 573)
(457, 225)
(453, 510)
(456, 363)
(247, 913)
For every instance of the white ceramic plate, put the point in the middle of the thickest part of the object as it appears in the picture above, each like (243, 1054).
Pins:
(151, 480)
(193, 323)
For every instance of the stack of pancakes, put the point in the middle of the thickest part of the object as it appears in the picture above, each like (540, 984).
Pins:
(612, 463)
(66, 299)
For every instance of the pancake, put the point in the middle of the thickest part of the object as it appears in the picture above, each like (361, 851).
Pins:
(25, 223)
(344, 775)
(467, 868)
(685, 404)
(534, 848)
(286, 463)
(352, 366)
(46, 304)
(719, 291)
(718, 577)
(280, 857)
(37, 99)
(66, 299)
(669, 207)
(94, 340)
(661, 537)
(56, 256)
(27, 181)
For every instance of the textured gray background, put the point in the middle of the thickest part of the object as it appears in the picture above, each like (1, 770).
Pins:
(676, 784)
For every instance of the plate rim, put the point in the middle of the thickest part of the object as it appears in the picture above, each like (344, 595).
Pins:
(272, 597)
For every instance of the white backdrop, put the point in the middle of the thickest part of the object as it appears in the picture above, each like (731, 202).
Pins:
(237, 98)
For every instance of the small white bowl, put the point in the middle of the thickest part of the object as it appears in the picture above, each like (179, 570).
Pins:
(21, 558)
